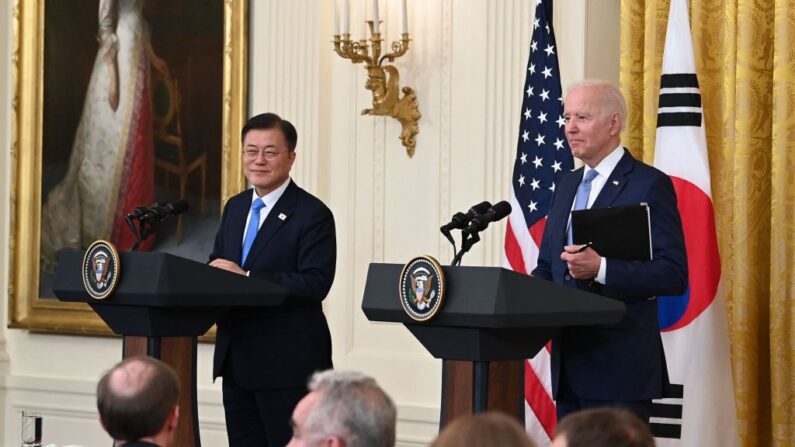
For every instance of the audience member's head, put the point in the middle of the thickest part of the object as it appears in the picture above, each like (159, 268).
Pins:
(603, 427)
(137, 400)
(344, 408)
(483, 430)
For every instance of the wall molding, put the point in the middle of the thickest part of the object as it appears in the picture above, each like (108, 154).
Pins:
(74, 400)
(509, 30)
(68, 408)
(289, 57)
(446, 117)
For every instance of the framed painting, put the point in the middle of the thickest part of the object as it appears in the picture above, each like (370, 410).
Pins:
(119, 104)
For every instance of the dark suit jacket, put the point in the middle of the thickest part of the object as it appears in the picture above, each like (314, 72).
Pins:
(623, 361)
(278, 347)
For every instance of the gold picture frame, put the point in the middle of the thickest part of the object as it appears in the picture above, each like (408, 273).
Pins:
(26, 308)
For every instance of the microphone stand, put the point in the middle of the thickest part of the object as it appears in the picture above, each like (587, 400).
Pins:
(144, 230)
(480, 371)
(134, 230)
(466, 244)
(449, 237)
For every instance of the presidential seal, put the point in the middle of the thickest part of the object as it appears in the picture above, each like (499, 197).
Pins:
(422, 288)
(101, 269)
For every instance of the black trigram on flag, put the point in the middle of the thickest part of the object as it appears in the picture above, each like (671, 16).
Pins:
(666, 414)
(680, 101)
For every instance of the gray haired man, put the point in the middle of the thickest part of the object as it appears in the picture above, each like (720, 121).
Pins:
(344, 408)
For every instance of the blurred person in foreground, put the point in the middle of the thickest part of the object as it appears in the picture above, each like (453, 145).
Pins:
(344, 409)
(483, 430)
(603, 427)
(137, 403)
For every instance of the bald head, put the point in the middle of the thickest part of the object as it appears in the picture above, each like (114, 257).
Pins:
(130, 377)
(136, 397)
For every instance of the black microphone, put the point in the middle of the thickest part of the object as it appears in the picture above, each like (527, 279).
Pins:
(139, 211)
(159, 211)
(459, 220)
(493, 214)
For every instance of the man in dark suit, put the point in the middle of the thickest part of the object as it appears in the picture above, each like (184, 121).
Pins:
(622, 364)
(280, 233)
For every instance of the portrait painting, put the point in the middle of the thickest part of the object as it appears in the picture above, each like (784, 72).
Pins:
(120, 104)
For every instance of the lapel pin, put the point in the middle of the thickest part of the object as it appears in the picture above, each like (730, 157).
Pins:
(282, 216)
(615, 182)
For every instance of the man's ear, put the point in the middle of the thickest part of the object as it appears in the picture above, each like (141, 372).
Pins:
(102, 423)
(173, 419)
(333, 441)
(615, 124)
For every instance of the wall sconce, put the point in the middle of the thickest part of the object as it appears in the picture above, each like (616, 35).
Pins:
(383, 80)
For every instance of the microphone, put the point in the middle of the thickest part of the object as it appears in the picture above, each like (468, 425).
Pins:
(159, 211)
(493, 214)
(459, 220)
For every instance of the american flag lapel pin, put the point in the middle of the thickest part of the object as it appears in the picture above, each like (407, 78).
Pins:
(282, 216)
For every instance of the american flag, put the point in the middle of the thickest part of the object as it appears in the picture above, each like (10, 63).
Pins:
(542, 158)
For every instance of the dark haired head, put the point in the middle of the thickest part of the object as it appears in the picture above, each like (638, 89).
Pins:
(491, 429)
(604, 427)
(272, 121)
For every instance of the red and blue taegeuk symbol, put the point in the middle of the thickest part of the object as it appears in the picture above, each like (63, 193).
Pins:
(703, 260)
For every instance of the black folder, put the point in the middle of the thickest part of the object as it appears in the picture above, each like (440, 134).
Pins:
(622, 232)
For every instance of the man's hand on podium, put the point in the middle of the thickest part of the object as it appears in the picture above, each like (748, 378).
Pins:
(229, 266)
(582, 264)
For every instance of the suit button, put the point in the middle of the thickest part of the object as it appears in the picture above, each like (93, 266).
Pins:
(567, 277)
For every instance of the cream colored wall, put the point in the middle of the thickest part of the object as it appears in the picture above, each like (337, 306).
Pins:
(466, 64)
(5, 128)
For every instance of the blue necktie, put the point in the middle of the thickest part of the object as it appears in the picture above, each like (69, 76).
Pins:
(253, 227)
(583, 191)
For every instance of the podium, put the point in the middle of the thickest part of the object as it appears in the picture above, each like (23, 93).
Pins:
(491, 320)
(160, 307)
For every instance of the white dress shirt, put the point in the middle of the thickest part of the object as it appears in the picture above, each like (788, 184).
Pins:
(269, 200)
(603, 171)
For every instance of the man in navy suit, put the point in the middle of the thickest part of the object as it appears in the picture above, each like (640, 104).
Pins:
(622, 364)
(280, 233)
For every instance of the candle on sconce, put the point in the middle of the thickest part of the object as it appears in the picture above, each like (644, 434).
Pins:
(376, 29)
(383, 78)
(346, 17)
(405, 19)
(336, 18)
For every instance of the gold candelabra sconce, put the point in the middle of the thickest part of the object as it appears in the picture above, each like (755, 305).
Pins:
(384, 80)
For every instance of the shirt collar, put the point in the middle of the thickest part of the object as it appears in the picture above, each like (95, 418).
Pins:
(272, 197)
(606, 166)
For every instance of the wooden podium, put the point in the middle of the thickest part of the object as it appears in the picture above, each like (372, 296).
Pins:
(492, 320)
(162, 304)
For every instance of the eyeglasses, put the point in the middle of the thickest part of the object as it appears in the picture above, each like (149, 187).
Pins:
(252, 154)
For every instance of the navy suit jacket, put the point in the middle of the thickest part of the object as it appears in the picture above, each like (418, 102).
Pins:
(624, 361)
(278, 347)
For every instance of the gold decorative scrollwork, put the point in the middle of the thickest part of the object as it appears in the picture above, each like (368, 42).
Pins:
(384, 81)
